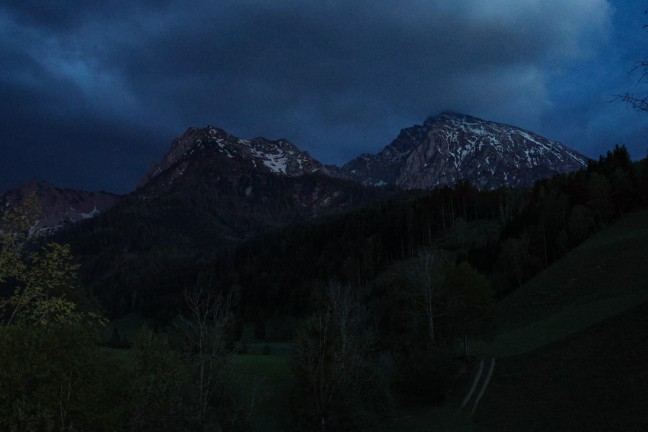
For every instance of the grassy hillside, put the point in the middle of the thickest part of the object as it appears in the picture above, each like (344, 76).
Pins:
(571, 346)
(605, 275)
(268, 379)
(594, 380)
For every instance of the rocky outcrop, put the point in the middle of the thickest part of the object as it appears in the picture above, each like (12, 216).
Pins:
(452, 147)
(59, 206)
(259, 154)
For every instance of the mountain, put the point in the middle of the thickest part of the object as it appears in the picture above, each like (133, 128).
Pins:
(256, 184)
(248, 186)
(452, 147)
(260, 155)
(213, 191)
(210, 192)
(59, 206)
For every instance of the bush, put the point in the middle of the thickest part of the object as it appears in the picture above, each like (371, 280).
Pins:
(338, 387)
(166, 390)
(57, 379)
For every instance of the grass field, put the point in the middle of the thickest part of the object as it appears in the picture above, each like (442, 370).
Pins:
(435, 419)
(572, 346)
(268, 378)
(127, 326)
(573, 342)
(610, 264)
(565, 321)
(594, 380)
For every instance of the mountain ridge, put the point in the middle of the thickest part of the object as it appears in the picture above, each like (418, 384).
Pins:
(271, 156)
(444, 150)
(59, 206)
(452, 147)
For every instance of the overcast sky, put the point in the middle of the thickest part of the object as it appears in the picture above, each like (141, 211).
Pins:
(92, 92)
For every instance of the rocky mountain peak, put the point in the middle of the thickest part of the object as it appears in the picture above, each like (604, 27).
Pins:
(451, 147)
(279, 157)
(59, 206)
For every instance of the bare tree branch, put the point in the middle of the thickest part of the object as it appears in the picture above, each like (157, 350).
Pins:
(639, 103)
(208, 319)
(425, 278)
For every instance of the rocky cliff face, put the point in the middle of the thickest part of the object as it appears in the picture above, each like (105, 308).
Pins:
(247, 186)
(59, 206)
(452, 147)
(240, 187)
(278, 157)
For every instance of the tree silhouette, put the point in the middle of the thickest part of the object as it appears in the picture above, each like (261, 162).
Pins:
(638, 102)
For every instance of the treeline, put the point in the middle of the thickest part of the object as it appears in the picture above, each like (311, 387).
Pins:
(277, 272)
(526, 232)
(563, 211)
(153, 242)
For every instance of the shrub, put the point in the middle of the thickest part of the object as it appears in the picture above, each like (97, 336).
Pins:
(58, 379)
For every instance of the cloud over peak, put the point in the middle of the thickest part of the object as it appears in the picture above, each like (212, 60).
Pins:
(336, 78)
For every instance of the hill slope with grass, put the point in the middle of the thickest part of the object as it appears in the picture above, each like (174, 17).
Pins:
(572, 344)
(593, 380)
(605, 275)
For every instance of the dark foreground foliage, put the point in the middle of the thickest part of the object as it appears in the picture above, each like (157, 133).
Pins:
(57, 379)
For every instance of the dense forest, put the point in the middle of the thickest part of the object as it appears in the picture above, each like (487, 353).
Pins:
(378, 304)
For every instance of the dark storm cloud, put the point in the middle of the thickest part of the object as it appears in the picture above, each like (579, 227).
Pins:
(354, 63)
(100, 88)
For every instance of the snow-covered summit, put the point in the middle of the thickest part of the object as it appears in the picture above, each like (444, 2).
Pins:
(259, 154)
(451, 147)
(444, 150)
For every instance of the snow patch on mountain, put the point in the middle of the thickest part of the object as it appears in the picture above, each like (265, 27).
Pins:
(276, 163)
(452, 147)
(92, 213)
(278, 157)
(58, 206)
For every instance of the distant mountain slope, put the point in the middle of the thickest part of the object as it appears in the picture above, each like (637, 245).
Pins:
(453, 147)
(444, 150)
(59, 206)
